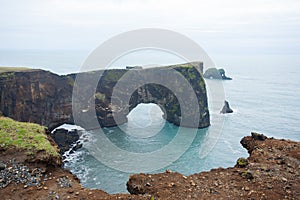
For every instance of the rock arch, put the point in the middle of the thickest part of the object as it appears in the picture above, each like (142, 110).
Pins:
(46, 98)
(116, 96)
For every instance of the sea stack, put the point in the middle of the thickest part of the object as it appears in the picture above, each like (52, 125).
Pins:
(214, 73)
(226, 108)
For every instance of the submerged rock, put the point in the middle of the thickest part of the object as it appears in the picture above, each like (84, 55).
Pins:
(226, 108)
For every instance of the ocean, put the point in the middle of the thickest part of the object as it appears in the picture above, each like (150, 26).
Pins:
(264, 94)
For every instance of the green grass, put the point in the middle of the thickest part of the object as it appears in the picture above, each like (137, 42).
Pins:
(13, 69)
(100, 96)
(25, 136)
(113, 75)
(71, 80)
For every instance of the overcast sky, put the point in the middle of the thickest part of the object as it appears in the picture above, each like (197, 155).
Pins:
(255, 26)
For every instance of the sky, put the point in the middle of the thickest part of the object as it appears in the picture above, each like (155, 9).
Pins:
(228, 26)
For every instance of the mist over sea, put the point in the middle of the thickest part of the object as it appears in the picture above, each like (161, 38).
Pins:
(264, 94)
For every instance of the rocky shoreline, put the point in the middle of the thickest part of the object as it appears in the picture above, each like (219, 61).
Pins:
(272, 171)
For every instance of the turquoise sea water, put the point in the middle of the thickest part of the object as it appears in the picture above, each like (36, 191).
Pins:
(264, 94)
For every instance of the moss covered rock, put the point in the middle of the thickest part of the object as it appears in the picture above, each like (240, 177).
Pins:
(29, 138)
(242, 162)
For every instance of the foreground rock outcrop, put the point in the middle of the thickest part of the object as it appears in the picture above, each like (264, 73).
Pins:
(30, 167)
(271, 172)
(27, 142)
(46, 98)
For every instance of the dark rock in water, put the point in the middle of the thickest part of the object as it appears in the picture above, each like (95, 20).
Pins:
(77, 146)
(226, 108)
(65, 139)
(222, 73)
(214, 73)
(258, 136)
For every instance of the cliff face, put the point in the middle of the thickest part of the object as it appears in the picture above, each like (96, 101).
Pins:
(46, 98)
(36, 96)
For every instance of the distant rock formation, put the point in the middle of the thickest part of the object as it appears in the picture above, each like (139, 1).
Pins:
(214, 73)
(226, 108)
(45, 98)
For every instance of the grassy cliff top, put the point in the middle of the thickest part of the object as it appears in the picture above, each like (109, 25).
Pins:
(25, 136)
(13, 69)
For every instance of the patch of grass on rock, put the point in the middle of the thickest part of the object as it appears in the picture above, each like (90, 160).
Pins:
(25, 136)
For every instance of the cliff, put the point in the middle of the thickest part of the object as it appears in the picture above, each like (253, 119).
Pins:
(46, 98)
(36, 96)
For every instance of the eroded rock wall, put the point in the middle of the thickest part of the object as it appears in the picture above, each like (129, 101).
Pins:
(46, 98)
(36, 96)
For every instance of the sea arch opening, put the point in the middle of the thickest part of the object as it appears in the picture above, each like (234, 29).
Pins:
(145, 120)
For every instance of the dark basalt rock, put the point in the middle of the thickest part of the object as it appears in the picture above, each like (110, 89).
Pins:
(66, 139)
(214, 73)
(258, 136)
(226, 108)
(45, 98)
(77, 146)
